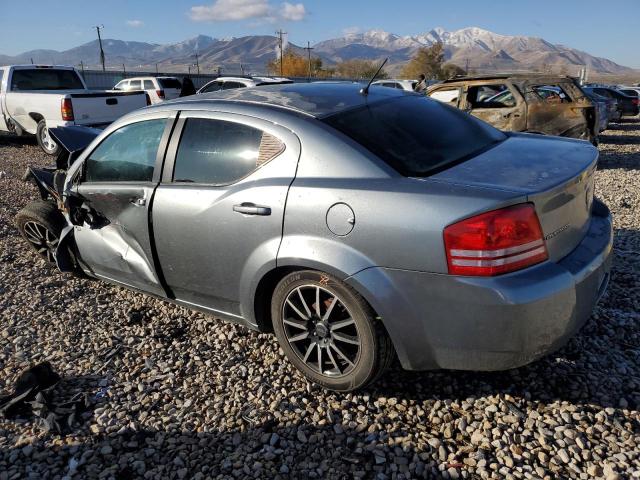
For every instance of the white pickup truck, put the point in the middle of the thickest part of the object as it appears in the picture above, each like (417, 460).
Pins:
(34, 98)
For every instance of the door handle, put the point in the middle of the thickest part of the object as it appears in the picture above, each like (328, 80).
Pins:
(252, 209)
(138, 202)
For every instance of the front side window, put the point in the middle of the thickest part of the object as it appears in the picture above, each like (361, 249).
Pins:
(127, 155)
(490, 96)
(219, 152)
(212, 87)
(135, 85)
(415, 135)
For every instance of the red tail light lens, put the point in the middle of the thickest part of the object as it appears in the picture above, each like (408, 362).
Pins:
(66, 108)
(160, 93)
(495, 242)
(636, 101)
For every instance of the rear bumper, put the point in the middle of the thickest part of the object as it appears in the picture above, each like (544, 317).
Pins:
(467, 323)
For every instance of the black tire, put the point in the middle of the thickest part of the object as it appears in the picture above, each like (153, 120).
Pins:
(40, 224)
(47, 144)
(340, 364)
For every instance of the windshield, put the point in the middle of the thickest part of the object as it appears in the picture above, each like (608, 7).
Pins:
(170, 83)
(415, 135)
(45, 79)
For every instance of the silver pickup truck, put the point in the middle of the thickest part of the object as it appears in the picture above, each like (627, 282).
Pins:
(34, 98)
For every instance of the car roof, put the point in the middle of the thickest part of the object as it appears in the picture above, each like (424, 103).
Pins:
(515, 76)
(313, 99)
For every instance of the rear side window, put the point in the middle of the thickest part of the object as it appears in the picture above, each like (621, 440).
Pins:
(170, 83)
(551, 94)
(127, 155)
(416, 135)
(135, 85)
(45, 79)
(148, 85)
(633, 93)
(219, 152)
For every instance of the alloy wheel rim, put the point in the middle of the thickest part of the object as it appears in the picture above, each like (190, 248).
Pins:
(321, 330)
(46, 139)
(43, 239)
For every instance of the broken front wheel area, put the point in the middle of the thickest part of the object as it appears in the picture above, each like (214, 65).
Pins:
(41, 223)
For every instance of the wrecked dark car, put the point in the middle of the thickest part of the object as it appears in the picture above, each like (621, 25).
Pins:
(327, 214)
(543, 104)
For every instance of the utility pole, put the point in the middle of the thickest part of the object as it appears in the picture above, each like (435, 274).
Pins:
(308, 49)
(31, 60)
(197, 63)
(280, 34)
(98, 27)
(156, 69)
(466, 66)
(82, 67)
(242, 69)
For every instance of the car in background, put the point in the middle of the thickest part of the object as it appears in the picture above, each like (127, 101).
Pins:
(230, 83)
(332, 217)
(606, 108)
(631, 91)
(408, 85)
(543, 104)
(614, 109)
(159, 89)
(35, 98)
(629, 106)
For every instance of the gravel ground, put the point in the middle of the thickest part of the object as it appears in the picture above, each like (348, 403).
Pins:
(177, 394)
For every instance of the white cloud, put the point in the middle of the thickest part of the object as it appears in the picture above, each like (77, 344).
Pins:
(135, 23)
(235, 10)
(225, 10)
(294, 13)
(351, 30)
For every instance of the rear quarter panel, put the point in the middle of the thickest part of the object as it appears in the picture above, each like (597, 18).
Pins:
(21, 106)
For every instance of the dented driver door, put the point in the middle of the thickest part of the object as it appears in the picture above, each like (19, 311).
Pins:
(115, 195)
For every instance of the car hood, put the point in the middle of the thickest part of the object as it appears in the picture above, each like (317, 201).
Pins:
(524, 163)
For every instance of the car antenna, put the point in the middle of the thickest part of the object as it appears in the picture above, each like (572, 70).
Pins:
(365, 90)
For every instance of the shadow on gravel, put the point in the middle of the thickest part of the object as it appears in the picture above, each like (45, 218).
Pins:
(600, 366)
(14, 141)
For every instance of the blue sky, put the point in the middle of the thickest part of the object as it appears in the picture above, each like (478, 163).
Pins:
(608, 29)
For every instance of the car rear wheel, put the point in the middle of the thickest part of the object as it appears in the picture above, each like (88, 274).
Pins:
(40, 223)
(44, 139)
(329, 332)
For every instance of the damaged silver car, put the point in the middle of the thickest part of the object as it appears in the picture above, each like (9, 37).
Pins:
(357, 225)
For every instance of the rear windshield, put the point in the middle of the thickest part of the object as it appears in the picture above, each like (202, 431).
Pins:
(45, 79)
(170, 83)
(415, 135)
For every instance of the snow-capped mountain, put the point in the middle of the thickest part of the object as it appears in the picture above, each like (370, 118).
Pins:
(475, 47)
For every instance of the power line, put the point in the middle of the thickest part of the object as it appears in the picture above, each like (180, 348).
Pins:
(308, 49)
(280, 34)
(98, 27)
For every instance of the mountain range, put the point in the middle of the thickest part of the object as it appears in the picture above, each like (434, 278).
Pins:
(475, 48)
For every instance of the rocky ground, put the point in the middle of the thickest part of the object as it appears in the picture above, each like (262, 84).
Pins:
(177, 394)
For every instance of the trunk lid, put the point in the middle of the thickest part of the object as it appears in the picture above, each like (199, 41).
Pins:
(555, 174)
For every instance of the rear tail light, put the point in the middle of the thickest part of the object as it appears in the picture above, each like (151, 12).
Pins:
(160, 93)
(636, 101)
(66, 108)
(495, 242)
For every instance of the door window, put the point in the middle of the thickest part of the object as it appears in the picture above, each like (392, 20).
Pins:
(490, 96)
(148, 85)
(212, 87)
(551, 94)
(220, 153)
(135, 85)
(446, 95)
(127, 155)
(231, 85)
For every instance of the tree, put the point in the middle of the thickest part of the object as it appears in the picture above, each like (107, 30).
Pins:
(451, 70)
(360, 68)
(295, 65)
(427, 60)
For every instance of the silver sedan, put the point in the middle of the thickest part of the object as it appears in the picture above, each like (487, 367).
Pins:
(358, 226)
